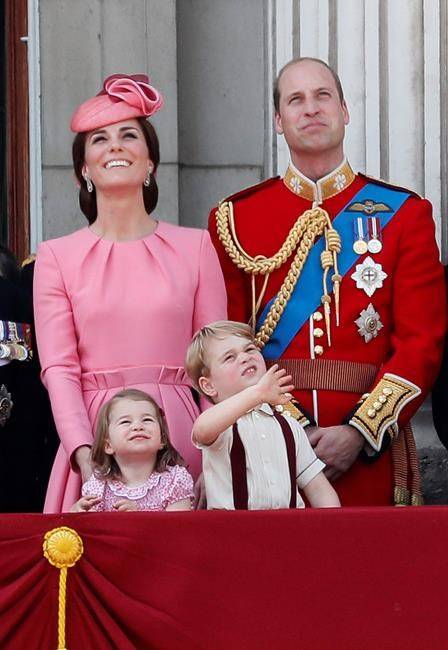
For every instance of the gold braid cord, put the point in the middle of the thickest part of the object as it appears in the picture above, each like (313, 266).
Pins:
(62, 547)
(301, 238)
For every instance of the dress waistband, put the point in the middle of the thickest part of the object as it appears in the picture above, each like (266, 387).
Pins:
(105, 379)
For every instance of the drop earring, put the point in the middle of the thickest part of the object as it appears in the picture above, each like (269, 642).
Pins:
(88, 183)
(147, 181)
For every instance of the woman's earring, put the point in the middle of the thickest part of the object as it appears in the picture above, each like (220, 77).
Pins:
(147, 181)
(88, 183)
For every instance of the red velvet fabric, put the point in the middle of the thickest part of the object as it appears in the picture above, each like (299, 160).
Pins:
(317, 579)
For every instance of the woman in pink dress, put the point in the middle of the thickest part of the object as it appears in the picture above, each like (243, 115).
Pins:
(117, 302)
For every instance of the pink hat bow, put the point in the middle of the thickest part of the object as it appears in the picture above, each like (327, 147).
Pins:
(136, 91)
(123, 97)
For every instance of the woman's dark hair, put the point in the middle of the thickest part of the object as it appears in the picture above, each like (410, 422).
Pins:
(87, 200)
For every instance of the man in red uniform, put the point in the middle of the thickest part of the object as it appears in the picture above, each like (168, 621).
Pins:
(341, 275)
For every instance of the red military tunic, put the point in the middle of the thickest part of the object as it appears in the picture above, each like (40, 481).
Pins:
(410, 305)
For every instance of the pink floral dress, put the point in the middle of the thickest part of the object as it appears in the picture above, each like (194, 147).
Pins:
(159, 491)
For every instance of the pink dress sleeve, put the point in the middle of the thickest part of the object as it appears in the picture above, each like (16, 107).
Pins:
(57, 345)
(211, 298)
(181, 486)
(95, 488)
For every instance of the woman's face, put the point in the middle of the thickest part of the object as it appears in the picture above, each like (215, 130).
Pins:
(116, 156)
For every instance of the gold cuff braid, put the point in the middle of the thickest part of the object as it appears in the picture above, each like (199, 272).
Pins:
(380, 410)
(308, 227)
(292, 408)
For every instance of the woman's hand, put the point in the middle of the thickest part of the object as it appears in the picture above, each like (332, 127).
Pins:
(82, 458)
(84, 504)
(126, 505)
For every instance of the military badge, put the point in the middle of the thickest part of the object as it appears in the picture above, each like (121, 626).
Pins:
(369, 207)
(5, 405)
(369, 323)
(369, 276)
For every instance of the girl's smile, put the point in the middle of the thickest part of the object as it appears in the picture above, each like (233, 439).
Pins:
(133, 426)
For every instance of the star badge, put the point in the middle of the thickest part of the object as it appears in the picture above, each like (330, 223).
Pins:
(369, 323)
(369, 276)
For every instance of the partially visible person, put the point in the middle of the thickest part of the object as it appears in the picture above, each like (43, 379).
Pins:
(340, 275)
(135, 466)
(117, 302)
(440, 392)
(27, 429)
(253, 457)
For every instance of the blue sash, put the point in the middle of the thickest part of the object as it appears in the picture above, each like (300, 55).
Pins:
(306, 297)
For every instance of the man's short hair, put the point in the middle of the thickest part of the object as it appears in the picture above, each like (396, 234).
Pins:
(196, 358)
(337, 81)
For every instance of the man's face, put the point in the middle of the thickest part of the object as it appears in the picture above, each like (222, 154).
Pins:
(311, 115)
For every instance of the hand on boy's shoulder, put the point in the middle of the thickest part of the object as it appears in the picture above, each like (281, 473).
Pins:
(338, 447)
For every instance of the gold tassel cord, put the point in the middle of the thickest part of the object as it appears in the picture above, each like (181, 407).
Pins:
(335, 245)
(308, 227)
(326, 260)
(62, 547)
(62, 605)
(260, 264)
(256, 302)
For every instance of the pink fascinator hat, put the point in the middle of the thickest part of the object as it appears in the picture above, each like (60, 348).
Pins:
(123, 97)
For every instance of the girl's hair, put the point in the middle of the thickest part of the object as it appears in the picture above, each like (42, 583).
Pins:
(105, 465)
(87, 200)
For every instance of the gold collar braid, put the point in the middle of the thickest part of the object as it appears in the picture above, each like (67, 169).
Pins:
(301, 238)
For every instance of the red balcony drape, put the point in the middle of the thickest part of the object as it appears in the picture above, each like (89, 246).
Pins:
(320, 579)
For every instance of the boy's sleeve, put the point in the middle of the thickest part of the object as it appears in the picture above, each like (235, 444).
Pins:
(224, 439)
(308, 465)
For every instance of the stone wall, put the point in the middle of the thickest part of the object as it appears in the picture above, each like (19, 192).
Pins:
(221, 63)
(81, 43)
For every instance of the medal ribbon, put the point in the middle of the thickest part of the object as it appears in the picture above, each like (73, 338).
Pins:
(15, 332)
(306, 297)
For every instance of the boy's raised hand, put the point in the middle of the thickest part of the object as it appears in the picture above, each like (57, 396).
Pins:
(275, 386)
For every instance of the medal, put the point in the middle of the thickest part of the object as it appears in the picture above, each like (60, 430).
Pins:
(359, 245)
(369, 323)
(369, 276)
(374, 245)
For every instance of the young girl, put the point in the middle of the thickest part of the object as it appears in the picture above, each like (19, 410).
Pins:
(135, 466)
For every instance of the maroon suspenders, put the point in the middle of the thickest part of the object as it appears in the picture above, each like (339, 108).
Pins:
(238, 465)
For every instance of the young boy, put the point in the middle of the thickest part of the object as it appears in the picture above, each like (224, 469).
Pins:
(253, 457)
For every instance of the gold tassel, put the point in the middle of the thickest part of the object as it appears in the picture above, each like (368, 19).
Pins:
(62, 547)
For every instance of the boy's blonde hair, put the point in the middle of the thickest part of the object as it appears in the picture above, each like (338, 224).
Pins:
(196, 358)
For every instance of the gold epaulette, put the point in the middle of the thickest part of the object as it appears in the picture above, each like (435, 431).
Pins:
(379, 411)
(28, 260)
(380, 181)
